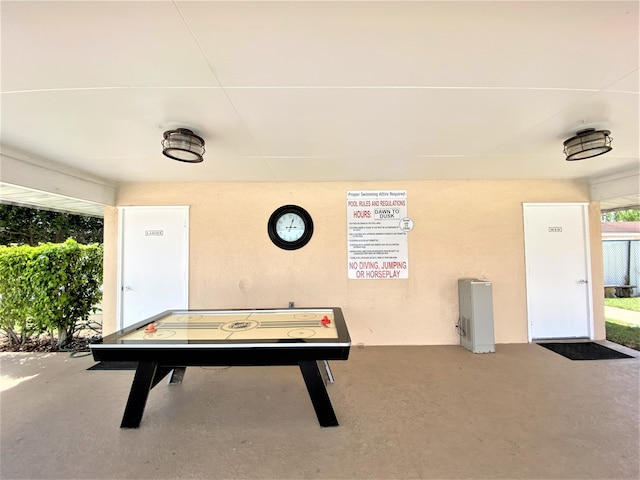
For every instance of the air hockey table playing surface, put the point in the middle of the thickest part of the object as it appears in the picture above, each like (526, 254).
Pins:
(204, 326)
(169, 342)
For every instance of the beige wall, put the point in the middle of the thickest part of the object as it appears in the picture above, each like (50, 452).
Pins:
(461, 229)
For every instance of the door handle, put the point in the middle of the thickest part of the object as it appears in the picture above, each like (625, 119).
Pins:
(582, 280)
(127, 288)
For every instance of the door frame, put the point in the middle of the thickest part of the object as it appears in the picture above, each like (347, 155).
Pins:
(120, 257)
(584, 207)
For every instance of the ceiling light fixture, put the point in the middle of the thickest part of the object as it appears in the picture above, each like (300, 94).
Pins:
(183, 145)
(587, 143)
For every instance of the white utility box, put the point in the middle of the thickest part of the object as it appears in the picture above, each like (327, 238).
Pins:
(475, 322)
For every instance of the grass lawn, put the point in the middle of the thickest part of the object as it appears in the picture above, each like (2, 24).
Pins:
(620, 332)
(632, 303)
(623, 334)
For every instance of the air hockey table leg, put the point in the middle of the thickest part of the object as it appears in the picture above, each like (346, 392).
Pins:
(325, 370)
(318, 393)
(176, 376)
(147, 376)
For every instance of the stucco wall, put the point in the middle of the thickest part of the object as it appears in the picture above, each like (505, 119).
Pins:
(461, 229)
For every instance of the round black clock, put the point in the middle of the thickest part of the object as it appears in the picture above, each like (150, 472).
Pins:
(290, 227)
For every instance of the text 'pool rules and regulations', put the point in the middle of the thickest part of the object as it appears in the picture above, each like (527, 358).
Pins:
(377, 226)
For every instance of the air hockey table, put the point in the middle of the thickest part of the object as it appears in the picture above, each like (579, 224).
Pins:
(168, 343)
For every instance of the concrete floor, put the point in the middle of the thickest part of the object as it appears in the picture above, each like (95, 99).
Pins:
(405, 412)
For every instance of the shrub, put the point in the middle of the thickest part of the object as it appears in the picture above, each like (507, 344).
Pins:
(15, 296)
(48, 288)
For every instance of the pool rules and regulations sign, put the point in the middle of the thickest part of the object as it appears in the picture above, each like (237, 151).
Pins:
(377, 228)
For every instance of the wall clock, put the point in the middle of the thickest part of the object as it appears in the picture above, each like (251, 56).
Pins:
(290, 227)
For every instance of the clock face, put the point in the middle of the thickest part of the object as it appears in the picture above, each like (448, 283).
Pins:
(290, 227)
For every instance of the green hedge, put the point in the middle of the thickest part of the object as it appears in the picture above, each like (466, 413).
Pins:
(48, 288)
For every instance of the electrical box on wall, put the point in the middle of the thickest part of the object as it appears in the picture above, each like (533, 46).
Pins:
(475, 321)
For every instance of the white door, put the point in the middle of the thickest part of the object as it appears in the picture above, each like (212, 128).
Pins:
(153, 260)
(559, 303)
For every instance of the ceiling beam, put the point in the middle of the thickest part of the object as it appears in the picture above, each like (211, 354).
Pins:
(31, 172)
(617, 191)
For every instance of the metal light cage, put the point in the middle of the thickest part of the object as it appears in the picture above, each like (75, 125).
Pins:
(183, 145)
(587, 143)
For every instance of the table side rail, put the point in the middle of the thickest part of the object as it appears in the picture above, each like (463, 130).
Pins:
(222, 357)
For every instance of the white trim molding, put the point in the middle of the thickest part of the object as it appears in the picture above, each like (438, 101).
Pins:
(21, 169)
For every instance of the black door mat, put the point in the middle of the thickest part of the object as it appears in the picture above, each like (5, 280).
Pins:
(584, 351)
(114, 366)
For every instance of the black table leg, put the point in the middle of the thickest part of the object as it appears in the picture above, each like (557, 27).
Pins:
(318, 393)
(147, 376)
(177, 374)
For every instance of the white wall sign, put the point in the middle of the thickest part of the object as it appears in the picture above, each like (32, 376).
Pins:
(377, 229)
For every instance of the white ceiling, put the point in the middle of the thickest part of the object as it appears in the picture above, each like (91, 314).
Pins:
(321, 91)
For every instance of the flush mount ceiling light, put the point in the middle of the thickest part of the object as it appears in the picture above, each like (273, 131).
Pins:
(183, 145)
(587, 143)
